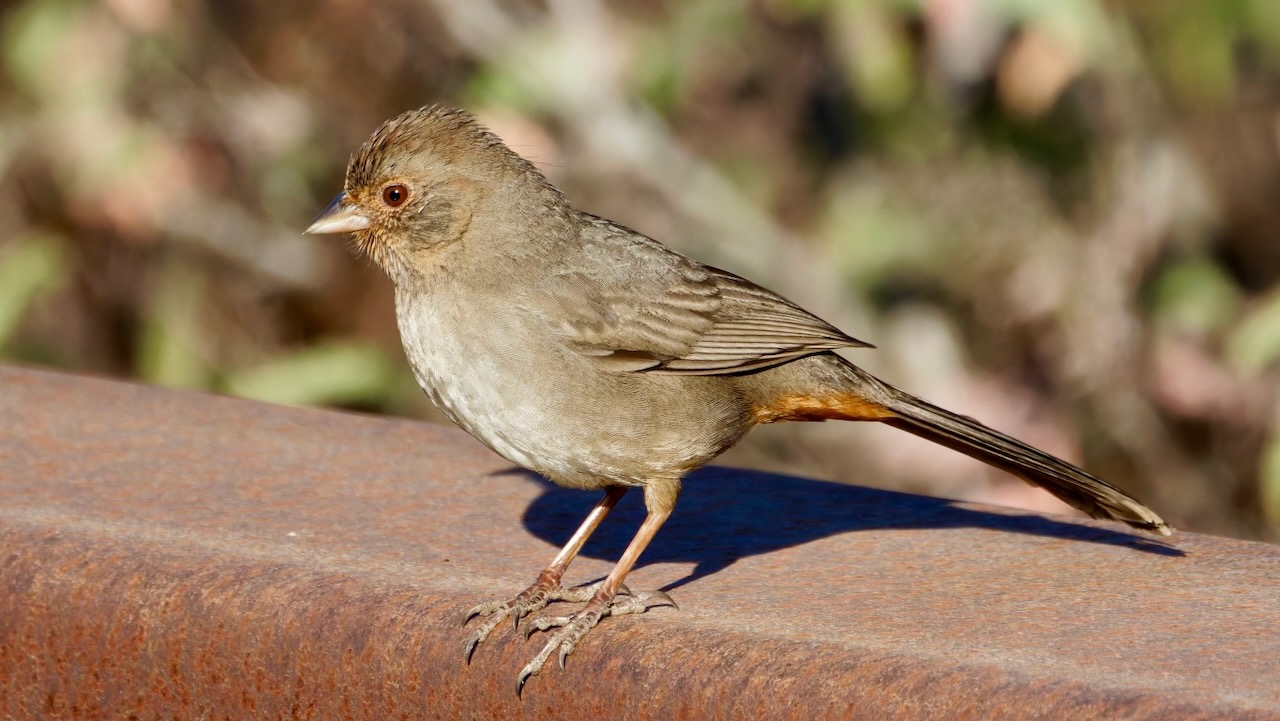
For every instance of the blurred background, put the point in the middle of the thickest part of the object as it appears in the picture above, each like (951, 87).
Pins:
(1061, 217)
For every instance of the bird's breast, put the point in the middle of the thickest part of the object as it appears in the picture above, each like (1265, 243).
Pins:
(468, 364)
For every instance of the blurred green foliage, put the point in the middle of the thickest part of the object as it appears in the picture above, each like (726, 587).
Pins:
(30, 267)
(1060, 217)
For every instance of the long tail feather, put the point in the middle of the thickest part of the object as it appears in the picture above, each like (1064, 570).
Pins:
(1073, 485)
(867, 398)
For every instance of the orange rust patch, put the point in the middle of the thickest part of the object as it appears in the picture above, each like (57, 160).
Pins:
(810, 408)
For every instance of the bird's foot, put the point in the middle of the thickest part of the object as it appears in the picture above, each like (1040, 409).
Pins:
(534, 598)
(574, 628)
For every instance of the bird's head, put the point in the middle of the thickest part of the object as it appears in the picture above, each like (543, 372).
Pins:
(418, 183)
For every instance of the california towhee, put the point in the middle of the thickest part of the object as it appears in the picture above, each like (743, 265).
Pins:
(599, 358)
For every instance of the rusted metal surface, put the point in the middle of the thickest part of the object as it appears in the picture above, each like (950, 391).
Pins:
(172, 555)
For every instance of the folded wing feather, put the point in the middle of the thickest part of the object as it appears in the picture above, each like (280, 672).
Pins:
(659, 312)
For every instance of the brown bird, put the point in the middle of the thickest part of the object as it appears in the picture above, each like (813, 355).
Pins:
(599, 358)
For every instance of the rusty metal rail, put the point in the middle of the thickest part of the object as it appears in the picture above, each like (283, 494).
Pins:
(172, 555)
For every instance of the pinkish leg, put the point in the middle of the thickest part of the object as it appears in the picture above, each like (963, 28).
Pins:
(547, 587)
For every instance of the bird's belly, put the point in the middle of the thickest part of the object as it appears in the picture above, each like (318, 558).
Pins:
(550, 411)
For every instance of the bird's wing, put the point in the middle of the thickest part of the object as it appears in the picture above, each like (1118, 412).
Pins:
(656, 311)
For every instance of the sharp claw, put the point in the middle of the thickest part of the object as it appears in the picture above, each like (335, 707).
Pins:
(658, 598)
(565, 650)
(483, 609)
(471, 647)
(515, 619)
(520, 682)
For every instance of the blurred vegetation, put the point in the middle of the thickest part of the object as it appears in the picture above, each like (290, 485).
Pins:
(1060, 217)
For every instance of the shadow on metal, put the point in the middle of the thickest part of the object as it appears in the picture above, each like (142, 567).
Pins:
(728, 514)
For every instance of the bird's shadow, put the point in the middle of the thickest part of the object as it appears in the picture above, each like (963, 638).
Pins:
(726, 514)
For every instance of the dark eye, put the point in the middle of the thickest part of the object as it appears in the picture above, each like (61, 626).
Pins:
(395, 195)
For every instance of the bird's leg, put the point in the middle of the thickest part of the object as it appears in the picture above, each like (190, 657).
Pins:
(547, 587)
(604, 602)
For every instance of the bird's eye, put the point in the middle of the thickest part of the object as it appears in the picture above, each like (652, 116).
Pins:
(395, 195)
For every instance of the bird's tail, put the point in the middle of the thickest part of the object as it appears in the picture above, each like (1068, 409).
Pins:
(1073, 485)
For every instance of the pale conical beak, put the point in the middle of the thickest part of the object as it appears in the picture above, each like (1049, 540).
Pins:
(340, 217)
